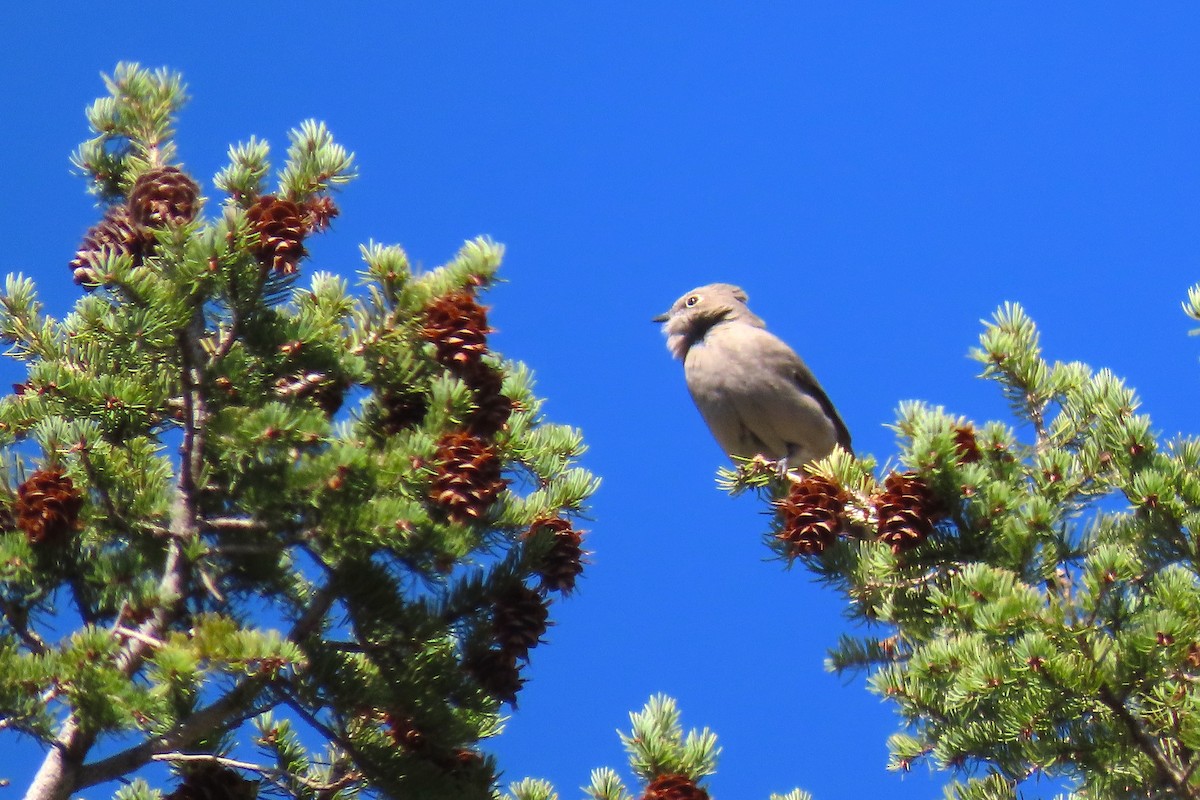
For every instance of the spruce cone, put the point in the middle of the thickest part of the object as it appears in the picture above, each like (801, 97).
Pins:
(214, 782)
(48, 505)
(492, 408)
(674, 787)
(163, 196)
(497, 673)
(519, 620)
(281, 226)
(907, 510)
(966, 446)
(811, 515)
(564, 560)
(401, 409)
(468, 477)
(116, 234)
(457, 326)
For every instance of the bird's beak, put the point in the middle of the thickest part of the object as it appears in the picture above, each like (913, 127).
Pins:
(662, 317)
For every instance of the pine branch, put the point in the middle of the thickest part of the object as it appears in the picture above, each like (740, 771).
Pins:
(18, 619)
(237, 706)
(1169, 774)
(223, 714)
(59, 775)
(280, 778)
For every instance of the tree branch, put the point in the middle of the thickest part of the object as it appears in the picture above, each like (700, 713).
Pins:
(185, 733)
(60, 773)
(1169, 773)
(275, 775)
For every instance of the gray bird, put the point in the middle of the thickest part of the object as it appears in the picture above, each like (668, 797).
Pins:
(757, 396)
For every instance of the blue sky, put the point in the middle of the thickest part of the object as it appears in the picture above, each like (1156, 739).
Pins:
(879, 177)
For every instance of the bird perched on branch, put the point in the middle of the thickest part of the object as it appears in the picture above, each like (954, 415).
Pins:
(757, 396)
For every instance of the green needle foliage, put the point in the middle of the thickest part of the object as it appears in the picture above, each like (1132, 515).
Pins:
(273, 534)
(1035, 589)
(667, 764)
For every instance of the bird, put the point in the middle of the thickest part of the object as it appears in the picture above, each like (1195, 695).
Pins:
(756, 394)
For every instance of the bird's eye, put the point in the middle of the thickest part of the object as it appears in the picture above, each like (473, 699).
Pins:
(691, 301)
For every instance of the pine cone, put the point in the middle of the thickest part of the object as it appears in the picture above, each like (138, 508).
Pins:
(281, 226)
(468, 479)
(906, 510)
(163, 196)
(401, 409)
(404, 731)
(811, 515)
(321, 211)
(563, 562)
(519, 620)
(115, 234)
(497, 673)
(214, 782)
(674, 787)
(473, 775)
(47, 507)
(966, 446)
(492, 408)
(457, 326)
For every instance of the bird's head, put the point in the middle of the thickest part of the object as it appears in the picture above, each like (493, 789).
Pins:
(695, 313)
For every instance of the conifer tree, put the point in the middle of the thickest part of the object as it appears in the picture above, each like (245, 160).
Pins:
(1034, 590)
(270, 532)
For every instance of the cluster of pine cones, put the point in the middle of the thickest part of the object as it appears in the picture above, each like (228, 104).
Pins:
(467, 480)
(520, 613)
(905, 509)
(166, 196)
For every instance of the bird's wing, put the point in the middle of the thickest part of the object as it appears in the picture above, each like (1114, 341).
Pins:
(786, 358)
(807, 383)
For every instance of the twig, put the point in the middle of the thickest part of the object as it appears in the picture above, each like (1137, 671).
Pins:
(229, 337)
(235, 524)
(18, 618)
(1168, 772)
(145, 639)
(110, 508)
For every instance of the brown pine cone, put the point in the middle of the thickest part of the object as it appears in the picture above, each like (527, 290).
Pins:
(401, 409)
(674, 787)
(966, 446)
(563, 561)
(811, 516)
(467, 479)
(47, 507)
(492, 408)
(281, 226)
(497, 673)
(404, 731)
(214, 782)
(116, 234)
(519, 620)
(163, 196)
(457, 326)
(321, 211)
(907, 510)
